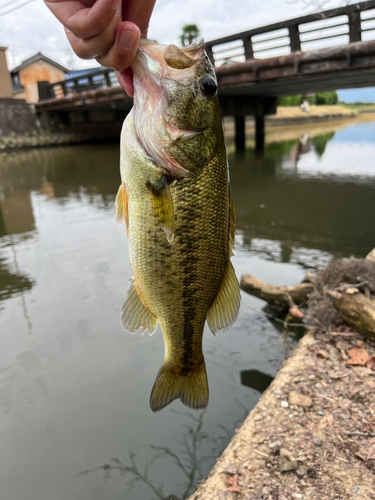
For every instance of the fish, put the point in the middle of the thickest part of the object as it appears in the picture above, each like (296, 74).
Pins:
(175, 200)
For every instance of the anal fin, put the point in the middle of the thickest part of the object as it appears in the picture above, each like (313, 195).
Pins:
(224, 309)
(135, 315)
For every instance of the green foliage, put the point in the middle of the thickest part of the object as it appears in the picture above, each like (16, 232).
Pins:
(320, 142)
(326, 98)
(320, 98)
(190, 32)
(290, 100)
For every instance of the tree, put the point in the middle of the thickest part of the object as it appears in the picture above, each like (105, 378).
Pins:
(326, 98)
(189, 33)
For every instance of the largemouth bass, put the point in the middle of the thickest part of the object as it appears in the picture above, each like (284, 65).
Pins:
(175, 199)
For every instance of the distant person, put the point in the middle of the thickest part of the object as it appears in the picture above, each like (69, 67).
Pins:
(305, 106)
(105, 30)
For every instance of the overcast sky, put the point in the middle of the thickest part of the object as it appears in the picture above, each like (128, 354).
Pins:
(33, 28)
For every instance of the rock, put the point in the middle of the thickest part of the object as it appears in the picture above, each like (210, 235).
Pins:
(295, 398)
(274, 443)
(286, 461)
(284, 404)
(371, 255)
(232, 470)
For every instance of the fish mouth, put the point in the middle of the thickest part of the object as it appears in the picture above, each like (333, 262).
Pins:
(159, 61)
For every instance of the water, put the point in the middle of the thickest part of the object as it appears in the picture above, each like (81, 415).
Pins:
(74, 387)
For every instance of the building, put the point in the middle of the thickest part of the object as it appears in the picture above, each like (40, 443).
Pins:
(26, 76)
(6, 90)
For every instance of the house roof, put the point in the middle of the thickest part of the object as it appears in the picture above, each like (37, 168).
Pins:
(84, 72)
(38, 57)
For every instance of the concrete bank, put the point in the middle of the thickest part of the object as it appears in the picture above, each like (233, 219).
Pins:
(20, 128)
(294, 116)
(312, 433)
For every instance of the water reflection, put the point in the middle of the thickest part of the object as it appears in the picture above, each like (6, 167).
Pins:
(291, 211)
(75, 392)
(186, 468)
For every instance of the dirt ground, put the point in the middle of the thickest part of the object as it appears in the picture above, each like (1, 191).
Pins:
(312, 434)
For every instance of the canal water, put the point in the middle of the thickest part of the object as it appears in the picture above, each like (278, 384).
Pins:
(74, 386)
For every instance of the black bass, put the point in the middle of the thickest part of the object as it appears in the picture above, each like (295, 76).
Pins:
(175, 199)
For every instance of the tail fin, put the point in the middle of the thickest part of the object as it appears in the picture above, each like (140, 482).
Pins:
(191, 389)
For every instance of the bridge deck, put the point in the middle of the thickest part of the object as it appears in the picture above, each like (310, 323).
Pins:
(247, 65)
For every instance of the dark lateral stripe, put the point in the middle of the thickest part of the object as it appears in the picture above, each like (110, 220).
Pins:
(189, 263)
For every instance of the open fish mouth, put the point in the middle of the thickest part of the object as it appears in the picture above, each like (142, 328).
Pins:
(160, 59)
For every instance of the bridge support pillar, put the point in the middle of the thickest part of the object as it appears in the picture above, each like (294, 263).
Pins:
(240, 134)
(259, 133)
(241, 106)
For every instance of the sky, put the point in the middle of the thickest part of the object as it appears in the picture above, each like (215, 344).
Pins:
(32, 28)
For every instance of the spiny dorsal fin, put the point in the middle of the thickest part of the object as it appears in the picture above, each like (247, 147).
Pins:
(134, 313)
(163, 205)
(122, 207)
(224, 309)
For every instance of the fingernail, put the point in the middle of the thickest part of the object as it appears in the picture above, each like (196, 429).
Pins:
(128, 39)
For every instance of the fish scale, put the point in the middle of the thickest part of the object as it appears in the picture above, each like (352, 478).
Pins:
(180, 239)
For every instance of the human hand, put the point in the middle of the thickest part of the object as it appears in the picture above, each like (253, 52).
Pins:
(95, 29)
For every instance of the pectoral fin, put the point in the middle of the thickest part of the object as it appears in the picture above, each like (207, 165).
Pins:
(163, 205)
(122, 208)
(134, 313)
(224, 310)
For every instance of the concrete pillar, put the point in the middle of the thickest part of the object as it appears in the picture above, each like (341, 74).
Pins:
(240, 134)
(259, 133)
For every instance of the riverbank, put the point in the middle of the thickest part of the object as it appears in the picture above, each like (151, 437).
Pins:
(291, 116)
(311, 436)
(285, 117)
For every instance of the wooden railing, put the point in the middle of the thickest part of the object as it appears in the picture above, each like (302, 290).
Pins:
(103, 78)
(352, 23)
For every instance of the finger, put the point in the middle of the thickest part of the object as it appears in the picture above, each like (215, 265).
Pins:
(123, 51)
(138, 13)
(82, 21)
(95, 46)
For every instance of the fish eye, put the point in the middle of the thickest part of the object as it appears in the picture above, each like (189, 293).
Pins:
(208, 86)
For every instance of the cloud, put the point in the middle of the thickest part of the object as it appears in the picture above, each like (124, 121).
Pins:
(33, 28)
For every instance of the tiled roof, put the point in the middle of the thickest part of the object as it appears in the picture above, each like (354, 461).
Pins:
(38, 57)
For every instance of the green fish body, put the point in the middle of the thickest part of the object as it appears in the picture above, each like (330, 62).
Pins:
(175, 198)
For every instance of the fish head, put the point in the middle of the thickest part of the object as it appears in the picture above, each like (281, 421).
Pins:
(176, 107)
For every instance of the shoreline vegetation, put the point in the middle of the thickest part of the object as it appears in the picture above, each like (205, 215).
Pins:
(285, 119)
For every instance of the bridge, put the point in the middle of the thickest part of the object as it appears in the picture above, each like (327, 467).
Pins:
(321, 51)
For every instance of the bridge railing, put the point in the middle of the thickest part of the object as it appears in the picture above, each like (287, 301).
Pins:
(352, 23)
(100, 79)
